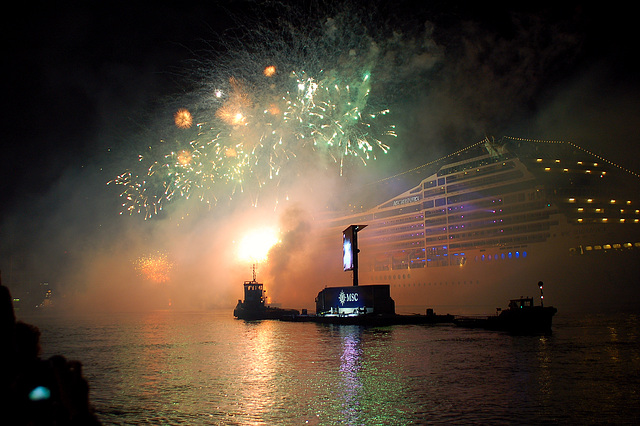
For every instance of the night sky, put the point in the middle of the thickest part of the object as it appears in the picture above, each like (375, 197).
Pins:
(81, 78)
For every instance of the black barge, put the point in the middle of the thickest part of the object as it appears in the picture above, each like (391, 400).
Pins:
(369, 305)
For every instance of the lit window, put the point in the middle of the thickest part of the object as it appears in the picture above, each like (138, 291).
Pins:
(580, 209)
(612, 201)
(588, 171)
(621, 220)
(580, 220)
(589, 200)
(572, 200)
(565, 170)
(604, 219)
(539, 160)
(546, 169)
(557, 160)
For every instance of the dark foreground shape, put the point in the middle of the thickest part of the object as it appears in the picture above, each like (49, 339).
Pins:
(266, 312)
(522, 317)
(34, 391)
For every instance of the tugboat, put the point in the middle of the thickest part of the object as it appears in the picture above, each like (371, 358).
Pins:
(521, 317)
(254, 308)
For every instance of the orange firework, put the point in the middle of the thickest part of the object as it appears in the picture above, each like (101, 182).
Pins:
(184, 158)
(154, 267)
(232, 110)
(183, 118)
(270, 71)
(274, 109)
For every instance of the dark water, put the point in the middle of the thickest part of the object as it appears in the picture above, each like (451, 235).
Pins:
(208, 368)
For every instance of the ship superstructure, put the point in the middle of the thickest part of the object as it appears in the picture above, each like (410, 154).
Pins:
(497, 217)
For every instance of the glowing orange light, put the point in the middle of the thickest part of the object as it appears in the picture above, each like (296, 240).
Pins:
(274, 109)
(183, 118)
(155, 267)
(184, 158)
(270, 71)
(256, 245)
(231, 111)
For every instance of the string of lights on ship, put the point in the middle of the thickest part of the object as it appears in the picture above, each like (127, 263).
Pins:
(633, 214)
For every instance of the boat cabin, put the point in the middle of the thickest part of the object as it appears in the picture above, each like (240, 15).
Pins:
(253, 293)
(523, 302)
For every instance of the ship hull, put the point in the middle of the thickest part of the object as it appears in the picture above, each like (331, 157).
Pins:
(262, 313)
(603, 281)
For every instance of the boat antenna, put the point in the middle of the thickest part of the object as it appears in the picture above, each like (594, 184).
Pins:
(541, 294)
(254, 271)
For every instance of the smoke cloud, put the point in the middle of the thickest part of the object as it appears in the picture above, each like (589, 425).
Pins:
(449, 76)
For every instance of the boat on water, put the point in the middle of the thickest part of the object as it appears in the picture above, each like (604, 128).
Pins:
(521, 317)
(254, 306)
(473, 223)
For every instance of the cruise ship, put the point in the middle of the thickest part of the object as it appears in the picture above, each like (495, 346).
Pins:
(489, 222)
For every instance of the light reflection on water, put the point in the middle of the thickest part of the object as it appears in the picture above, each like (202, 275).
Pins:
(349, 374)
(208, 368)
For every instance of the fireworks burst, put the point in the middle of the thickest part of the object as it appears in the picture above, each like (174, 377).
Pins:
(270, 71)
(183, 119)
(336, 116)
(155, 267)
(317, 101)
